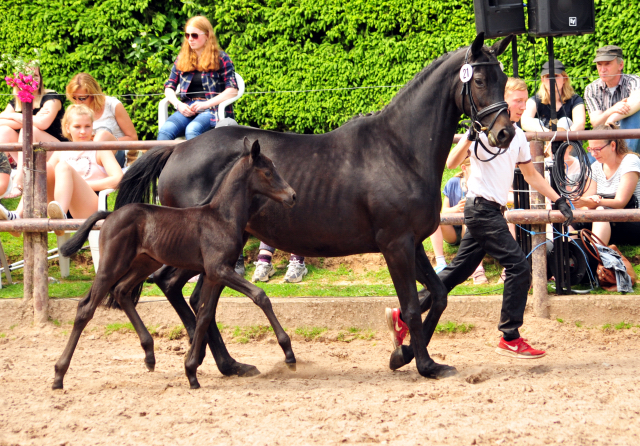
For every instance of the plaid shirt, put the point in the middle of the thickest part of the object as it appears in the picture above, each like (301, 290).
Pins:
(213, 82)
(597, 96)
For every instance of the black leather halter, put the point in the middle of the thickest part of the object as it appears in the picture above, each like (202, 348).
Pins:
(477, 116)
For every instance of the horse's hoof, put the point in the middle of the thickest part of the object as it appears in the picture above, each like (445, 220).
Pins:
(151, 366)
(397, 359)
(291, 366)
(56, 386)
(439, 371)
(195, 385)
(247, 371)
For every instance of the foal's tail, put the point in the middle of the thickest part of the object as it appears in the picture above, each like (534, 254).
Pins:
(139, 183)
(75, 243)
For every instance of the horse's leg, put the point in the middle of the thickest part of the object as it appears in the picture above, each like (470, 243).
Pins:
(226, 364)
(229, 278)
(400, 256)
(433, 298)
(205, 315)
(84, 313)
(140, 269)
(171, 281)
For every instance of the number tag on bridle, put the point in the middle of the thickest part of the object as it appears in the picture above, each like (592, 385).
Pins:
(466, 73)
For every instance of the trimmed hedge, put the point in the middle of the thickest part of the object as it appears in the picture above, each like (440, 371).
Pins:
(281, 45)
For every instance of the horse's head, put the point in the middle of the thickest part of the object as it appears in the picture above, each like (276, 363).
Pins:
(482, 96)
(265, 179)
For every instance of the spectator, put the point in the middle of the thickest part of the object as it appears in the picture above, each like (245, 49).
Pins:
(75, 177)
(296, 269)
(615, 186)
(615, 97)
(47, 127)
(487, 230)
(455, 192)
(569, 106)
(111, 120)
(204, 76)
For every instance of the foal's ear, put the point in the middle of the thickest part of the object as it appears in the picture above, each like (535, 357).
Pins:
(476, 46)
(247, 145)
(501, 45)
(255, 150)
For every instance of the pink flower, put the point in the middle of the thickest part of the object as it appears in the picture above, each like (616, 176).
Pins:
(25, 96)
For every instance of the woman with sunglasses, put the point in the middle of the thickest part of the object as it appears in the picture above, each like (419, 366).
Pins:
(203, 76)
(569, 106)
(111, 120)
(614, 185)
(47, 118)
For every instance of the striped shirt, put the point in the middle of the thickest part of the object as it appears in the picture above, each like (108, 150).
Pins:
(598, 97)
(630, 163)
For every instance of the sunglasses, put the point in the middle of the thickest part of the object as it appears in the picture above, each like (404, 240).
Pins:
(80, 98)
(194, 36)
(598, 150)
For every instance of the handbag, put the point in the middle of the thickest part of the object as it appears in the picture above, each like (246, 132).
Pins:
(632, 204)
(606, 276)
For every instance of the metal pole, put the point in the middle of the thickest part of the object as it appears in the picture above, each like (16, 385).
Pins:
(40, 239)
(539, 256)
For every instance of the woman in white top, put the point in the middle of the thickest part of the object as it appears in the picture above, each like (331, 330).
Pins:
(614, 185)
(111, 120)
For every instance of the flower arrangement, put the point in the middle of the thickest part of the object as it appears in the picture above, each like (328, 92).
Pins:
(22, 79)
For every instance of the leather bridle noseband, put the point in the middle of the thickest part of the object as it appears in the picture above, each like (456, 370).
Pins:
(476, 116)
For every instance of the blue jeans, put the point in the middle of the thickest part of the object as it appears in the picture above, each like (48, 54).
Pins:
(632, 122)
(181, 125)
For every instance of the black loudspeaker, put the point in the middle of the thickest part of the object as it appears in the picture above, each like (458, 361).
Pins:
(561, 17)
(499, 18)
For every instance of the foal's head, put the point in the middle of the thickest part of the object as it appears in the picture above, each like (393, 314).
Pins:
(264, 179)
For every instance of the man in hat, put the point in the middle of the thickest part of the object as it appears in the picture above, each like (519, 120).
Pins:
(615, 97)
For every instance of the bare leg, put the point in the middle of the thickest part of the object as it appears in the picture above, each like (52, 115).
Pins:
(73, 193)
(602, 229)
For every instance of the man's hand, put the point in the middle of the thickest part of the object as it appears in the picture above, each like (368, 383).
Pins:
(459, 207)
(564, 207)
(622, 108)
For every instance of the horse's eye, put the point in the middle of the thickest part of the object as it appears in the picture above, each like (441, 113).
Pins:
(479, 82)
(267, 174)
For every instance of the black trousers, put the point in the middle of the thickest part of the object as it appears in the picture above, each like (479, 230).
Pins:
(488, 233)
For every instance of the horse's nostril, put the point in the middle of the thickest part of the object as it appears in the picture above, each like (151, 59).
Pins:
(293, 197)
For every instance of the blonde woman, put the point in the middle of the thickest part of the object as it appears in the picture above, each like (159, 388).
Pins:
(111, 120)
(201, 78)
(569, 106)
(47, 117)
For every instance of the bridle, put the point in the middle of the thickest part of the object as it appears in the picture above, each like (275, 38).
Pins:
(477, 116)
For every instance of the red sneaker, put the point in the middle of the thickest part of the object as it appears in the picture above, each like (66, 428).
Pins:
(397, 326)
(518, 348)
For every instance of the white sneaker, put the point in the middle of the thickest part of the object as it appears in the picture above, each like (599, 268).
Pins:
(54, 210)
(264, 270)
(295, 272)
(9, 216)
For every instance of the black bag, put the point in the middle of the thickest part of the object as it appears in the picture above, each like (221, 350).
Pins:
(632, 204)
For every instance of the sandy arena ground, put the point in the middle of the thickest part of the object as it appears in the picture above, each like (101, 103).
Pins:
(586, 391)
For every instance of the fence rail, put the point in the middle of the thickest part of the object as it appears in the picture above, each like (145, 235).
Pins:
(35, 225)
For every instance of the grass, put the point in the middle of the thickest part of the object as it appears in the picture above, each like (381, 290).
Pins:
(453, 327)
(177, 332)
(353, 333)
(3, 335)
(309, 333)
(243, 335)
(560, 320)
(118, 327)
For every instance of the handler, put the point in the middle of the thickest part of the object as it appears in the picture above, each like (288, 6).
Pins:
(487, 230)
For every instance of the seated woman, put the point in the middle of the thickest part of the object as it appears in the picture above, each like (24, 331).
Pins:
(569, 106)
(205, 77)
(47, 117)
(111, 120)
(75, 177)
(614, 185)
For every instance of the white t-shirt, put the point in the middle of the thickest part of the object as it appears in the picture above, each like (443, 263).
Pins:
(108, 119)
(630, 163)
(492, 180)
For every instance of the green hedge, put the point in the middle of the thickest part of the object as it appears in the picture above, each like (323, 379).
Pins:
(279, 45)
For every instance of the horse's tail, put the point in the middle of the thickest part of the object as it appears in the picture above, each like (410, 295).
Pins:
(111, 302)
(139, 183)
(75, 243)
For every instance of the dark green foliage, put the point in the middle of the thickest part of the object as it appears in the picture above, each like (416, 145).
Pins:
(128, 45)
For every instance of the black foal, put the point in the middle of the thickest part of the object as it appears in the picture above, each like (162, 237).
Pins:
(139, 238)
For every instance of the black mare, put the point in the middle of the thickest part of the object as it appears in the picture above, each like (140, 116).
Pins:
(372, 185)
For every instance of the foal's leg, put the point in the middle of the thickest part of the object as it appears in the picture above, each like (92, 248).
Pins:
(140, 270)
(228, 277)
(226, 364)
(400, 256)
(204, 318)
(434, 301)
(86, 309)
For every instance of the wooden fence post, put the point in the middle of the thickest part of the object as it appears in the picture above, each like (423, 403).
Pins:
(40, 240)
(27, 195)
(539, 256)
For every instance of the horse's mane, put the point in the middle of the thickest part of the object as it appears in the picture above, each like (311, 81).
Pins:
(224, 171)
(414, 83)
